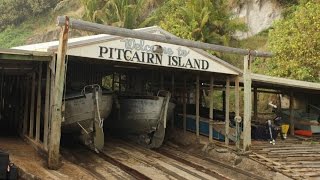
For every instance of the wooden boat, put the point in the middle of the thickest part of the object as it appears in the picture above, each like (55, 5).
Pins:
(302, 120)
(84, 114)
(145, 116)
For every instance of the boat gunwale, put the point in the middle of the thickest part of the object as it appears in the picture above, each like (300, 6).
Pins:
(121, 97)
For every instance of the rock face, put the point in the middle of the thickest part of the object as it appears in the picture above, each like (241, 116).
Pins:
(257, 14)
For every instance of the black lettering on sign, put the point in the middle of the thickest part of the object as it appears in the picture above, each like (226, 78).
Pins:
(205, 64)
(127, 57)
(103, 50)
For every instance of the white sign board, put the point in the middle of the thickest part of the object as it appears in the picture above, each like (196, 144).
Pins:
(150, 53)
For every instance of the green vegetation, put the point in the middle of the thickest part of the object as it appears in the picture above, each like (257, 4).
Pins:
(201, 20)
(295, 42)
(12, 36)
(120, 13)
(14, 12)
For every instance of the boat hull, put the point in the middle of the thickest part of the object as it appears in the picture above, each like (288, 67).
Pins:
(139, 115)
(146, 117)
(81, 117)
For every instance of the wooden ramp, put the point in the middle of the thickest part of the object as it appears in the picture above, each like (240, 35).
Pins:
(296, 158)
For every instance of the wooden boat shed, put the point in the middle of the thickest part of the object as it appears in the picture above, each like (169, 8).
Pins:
(160, 59)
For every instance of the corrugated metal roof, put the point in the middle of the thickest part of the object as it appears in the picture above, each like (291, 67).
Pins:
(283, 82)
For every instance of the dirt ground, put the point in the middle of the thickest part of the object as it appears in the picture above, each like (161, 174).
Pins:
(217, 151)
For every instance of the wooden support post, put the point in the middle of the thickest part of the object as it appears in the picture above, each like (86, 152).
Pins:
(52, 89)
(211, 108)
(247, 103)
(291, 116)
(227, 106)
(31, 119)
(161, 81)
(172, 95)
(197, 105)
(237, 110)
(255, 103)
(46, 109)
(184, 105)
(55, 132)
(26, 107)
(112, 81)
(224, 99)
(38, 114)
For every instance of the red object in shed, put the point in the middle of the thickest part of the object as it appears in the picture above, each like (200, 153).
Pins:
(307, 133)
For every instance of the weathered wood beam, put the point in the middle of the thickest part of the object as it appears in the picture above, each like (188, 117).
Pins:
(291, 116)
(24, 57)
(237, 109)
(211, 108)
(55, 132)
(184, 104)
(46, 109)
(31, 119)
(38, 112)
(255, 103)
(247, 103)
(172, 95)
(104, 29)
(227, 110)
(26, 107)
(197, 105)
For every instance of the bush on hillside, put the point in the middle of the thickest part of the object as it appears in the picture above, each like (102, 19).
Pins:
(295, 42)
(14, 12)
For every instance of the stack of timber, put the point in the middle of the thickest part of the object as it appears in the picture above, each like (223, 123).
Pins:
(294, 158)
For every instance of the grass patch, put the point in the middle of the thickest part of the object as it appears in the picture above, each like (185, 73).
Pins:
(15, 36)
(257, 42)
(36, 26)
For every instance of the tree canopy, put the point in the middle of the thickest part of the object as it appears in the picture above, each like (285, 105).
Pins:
(295, 42)
(201, 20)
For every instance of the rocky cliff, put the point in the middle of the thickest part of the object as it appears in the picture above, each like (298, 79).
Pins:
(257, 14)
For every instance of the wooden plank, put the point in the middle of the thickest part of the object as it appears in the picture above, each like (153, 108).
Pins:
(104, 29)
(255, 103)
(55, 132)
(26, 107)
(247, 104)
(31, 117)
(38, 112)
(197, 104)
(237, 108)
(184, 104)
(161, 81)
(46, 109)
(24, 57)
(172, 95)
(211, 108)
(227, 110)
(291, 114)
